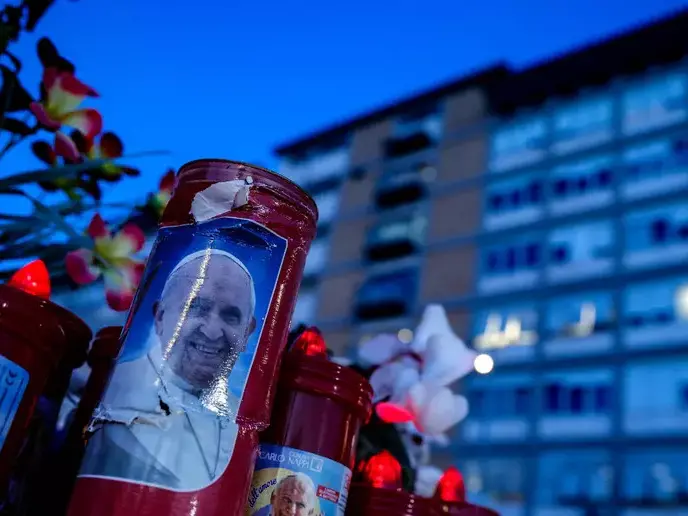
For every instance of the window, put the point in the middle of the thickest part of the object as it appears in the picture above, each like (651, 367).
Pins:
(578, 393)
(317, 257)
(570, 478)
(583, 124)
(661, 408)
(582, 185)
(514, 202)
(328, 204)
(657, 236)
(501, 407)
(654, 103)
(580, 315)
(505, 402)
(404, 185)
(518, 144)
(388, 295)
(511, 265)
(317, 166)
(509, 326)
(397, 237)
(580, 251)
(656, 313)
(425, 119)
(655, 476)
(415, 131)
(655, 167)
(306, 308)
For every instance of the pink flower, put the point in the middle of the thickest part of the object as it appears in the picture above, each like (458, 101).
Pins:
(435, 356)
(111, 256)
(64, 94)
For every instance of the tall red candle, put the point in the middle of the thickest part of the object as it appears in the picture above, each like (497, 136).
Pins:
(306, 455)
(177, 430)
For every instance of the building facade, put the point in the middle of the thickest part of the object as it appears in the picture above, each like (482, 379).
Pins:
(547, 209)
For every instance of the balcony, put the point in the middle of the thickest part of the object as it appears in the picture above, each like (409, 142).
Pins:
(400, 187)
(414, 133)
(396, 238)
(386, 296)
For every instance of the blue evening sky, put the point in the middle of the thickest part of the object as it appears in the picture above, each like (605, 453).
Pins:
(228, 78)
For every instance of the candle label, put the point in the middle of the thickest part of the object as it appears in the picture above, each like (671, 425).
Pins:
(169, 415)
(13, 381)
(290, 481)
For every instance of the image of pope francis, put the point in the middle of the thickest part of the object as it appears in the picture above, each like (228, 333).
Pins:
(168, 417)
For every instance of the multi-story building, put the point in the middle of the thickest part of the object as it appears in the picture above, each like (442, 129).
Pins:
(547, 209)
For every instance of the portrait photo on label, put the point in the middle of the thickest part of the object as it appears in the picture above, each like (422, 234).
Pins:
(168, 416)
(289, 482)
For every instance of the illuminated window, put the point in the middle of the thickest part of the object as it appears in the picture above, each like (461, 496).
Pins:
(580, 315)
(496, 329)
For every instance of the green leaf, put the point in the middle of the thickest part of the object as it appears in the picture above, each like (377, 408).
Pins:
(13, 96)
(15, 126)
(7, 184)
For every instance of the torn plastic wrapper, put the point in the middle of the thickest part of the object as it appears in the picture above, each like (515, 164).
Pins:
(220, 198)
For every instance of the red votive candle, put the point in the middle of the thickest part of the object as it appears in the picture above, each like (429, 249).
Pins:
(366, 500)
(41, 343)
(176, 432)
(306, 455)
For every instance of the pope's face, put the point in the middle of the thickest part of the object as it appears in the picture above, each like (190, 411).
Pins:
(211, 316)
(291, 500)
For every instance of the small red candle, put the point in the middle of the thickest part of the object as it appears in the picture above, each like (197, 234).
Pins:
(450, 496)
(307, 453)
(40, 345)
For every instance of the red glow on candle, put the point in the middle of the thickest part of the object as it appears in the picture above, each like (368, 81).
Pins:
(451, 487)
(33, 279)
(311, 343)
(382, 470)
